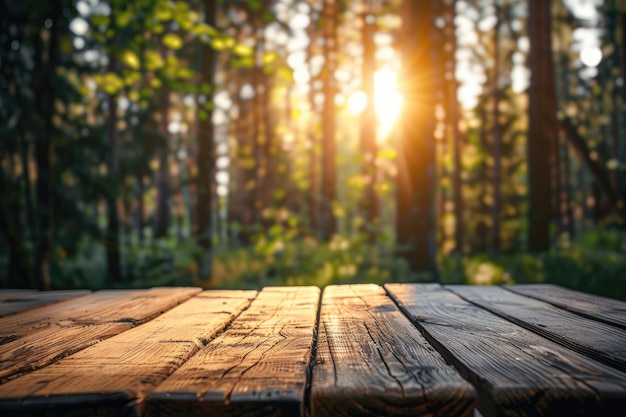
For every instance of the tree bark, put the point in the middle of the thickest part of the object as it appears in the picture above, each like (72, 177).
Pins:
(46, 57)
(368, 124)
(541, 124)
(112, 239)
(311, 133)
(206, 155)
(329, 170)
(18, 270)
(457, 137)
(415, 222)
(162, 212)
(496, 153)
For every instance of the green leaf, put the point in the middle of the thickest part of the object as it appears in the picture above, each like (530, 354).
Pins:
(153, 60)
(185, 73)
(269, 58)
(267, 17)
(218, 44)
(285, 73)
(130, 59)
(131, 77)
(254, 5)
(163, 11)
(204, 29)
(111, 83)
(172, 41)
(100, 20)
(124, 18)
(243, 50)
(205, 88)
(247, 62)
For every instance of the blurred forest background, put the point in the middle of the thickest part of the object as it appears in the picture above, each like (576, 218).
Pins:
(243, 143)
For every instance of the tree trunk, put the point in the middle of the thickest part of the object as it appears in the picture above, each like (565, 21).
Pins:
(327, 218)
(206, 155)
(482, 228)
(622, 20)
(496, 209)
(568, 199)
(162, 212)
(112, 233)
(112, 239)
(415, 223)
(601, 179)
(47, 61)
(141, 207)
(541, 124)
(457, 139)
(270, 150)
(259, 141)
(311, 133)
(18, 271)
(368, 124)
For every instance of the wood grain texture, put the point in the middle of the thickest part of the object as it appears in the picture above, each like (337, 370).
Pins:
(598, 308)
(257, 367)
(113, 377)
(515, 371)
(36, 338)
(599, 341)
(371, 361)
(14, 301)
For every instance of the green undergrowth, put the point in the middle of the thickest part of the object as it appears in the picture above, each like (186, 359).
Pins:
(594, 263)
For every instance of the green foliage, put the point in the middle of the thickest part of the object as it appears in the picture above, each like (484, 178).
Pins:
(147, 59)
(280, 257)
(593, 263)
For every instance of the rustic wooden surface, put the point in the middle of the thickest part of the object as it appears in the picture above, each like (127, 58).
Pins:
(594, 307)
(260, 363)
(41, 336)
(523, 350)
(14, 301)
(515, 371)
(372, 361)
(597, 340)
(116, 374)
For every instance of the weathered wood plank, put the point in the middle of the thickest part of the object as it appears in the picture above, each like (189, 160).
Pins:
(599, 341)
(258, 366)
(516, 372)
(14, 301)
(372, 361)
(603, 309)
(39, 337)
(113, 377)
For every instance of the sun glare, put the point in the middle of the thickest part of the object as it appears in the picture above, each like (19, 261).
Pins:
(357, 102)
(388, 101)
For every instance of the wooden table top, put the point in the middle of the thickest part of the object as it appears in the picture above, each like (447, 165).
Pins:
(353, 350)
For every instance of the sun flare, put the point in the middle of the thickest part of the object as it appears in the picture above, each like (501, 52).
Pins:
(388, 101)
